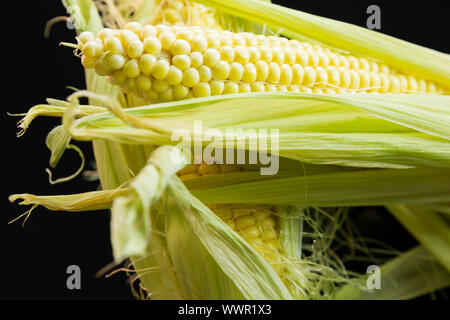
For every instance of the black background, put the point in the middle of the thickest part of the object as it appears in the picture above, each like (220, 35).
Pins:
(34, 258)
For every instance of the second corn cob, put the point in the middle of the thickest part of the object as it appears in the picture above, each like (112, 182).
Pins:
(257, 224)
(162, 63)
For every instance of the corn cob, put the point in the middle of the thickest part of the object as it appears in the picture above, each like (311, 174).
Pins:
(162, 63)
(183, 12)
(257, 224)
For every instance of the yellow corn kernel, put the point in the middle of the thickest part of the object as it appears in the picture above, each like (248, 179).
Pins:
(230, 87)
(92, 49)
(201, 89)
(221, 70)
(167, 40)
(211, 57)
(146, 63)
(160, 69)
(244, 88)
(196, 59)
(205, 73)
(227, 53)
(116, 61)
(217, 87)
(285, 74)
(131, 69)
(245, 221)
(135, 49)
(257, 87)
(152, 45)
(182, 61)
(190, 77)
(119, 78)
(199, 43)
(160, 85)
(242, 54)
(274, 72)
(180, 92)
(181, 46)
(249, 74)
(143, 83)
(147, 31)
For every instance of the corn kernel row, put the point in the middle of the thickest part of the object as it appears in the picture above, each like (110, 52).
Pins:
(161, 63)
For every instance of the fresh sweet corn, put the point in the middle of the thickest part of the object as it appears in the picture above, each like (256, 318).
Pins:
(162, 63)
(257, 224)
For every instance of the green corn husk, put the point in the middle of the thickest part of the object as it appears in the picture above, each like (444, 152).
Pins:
(231, 269)
(355, 188)
(408, 276)
(321, 140)
(130, 220)
(428, 227)
(58, 141)
(337, 150)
